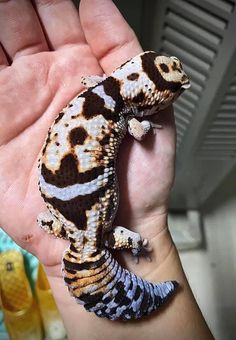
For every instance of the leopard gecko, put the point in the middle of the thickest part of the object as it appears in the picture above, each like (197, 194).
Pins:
(78, 182)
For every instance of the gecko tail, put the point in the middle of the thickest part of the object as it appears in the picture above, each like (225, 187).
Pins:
(102, 286)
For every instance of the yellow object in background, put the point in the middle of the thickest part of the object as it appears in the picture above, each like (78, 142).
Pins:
(21, 315)
(52, 322)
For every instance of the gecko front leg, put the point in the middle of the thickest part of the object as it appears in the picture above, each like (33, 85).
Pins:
(51, 225)
(139, 129)
(90, 81)
(122, 238)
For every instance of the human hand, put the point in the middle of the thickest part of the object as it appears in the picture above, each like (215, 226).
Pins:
(46, 59)
(48, 52)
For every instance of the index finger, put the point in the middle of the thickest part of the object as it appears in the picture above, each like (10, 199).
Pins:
(117, 41)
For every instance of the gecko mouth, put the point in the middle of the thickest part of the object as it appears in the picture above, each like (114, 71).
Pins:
(186, 85)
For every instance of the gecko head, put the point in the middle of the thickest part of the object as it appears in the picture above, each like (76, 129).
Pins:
(172, 74)
(163, 81)
(170, 81)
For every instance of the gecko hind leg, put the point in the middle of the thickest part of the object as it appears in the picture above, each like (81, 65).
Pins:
(51, 225)
(122, 238)
(90, 81)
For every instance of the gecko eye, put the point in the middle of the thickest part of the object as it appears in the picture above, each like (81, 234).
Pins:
(175, 59)
(164, 68)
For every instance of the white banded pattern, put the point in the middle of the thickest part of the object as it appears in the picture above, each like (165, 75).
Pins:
(72, 191)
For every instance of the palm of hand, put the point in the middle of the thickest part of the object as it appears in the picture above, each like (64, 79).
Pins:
(32, 91)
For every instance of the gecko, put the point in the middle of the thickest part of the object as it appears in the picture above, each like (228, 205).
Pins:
(78, 182)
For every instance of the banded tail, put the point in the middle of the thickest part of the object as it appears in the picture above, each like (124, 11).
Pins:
(102, 286)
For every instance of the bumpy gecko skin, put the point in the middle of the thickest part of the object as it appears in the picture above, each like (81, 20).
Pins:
(78, 183)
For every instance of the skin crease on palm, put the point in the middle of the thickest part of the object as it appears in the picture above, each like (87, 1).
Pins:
(40, 74)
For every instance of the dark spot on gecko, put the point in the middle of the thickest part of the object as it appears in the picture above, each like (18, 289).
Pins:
(105, 140)
(148, 64)
(47, 223)
(145, 300)
(111, 164)
(78, 136)
(125, 301)
(70, 280)
(158, 300)
(94, 105)
(66, 124)
(112, 89)
(109, 237)
(139, 98)
(71, 256)
(71, 271)
(121, 66)
(164, 68)
(107, 299)
(63, 232)
(133, 76)
(74, 210)
(140, 243)
(174, 66)
(72, 248)
(68, 173)
(121, 292)
(59, 117)
(57, 144)
(91, 298)
(184, 78)
(130, 242)
(137, 293)
(70, 105)
(48, 140)
(114, 133)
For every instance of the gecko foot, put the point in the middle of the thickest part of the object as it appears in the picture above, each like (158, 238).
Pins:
(144, 250)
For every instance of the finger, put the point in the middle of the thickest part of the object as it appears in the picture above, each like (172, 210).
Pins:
(61, 22)
(117, 41)
(3, 59)
(20, 29)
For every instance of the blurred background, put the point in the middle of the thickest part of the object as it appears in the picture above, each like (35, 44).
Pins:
(203, 204)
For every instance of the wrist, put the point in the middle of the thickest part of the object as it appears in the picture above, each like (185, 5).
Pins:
(180, 314)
